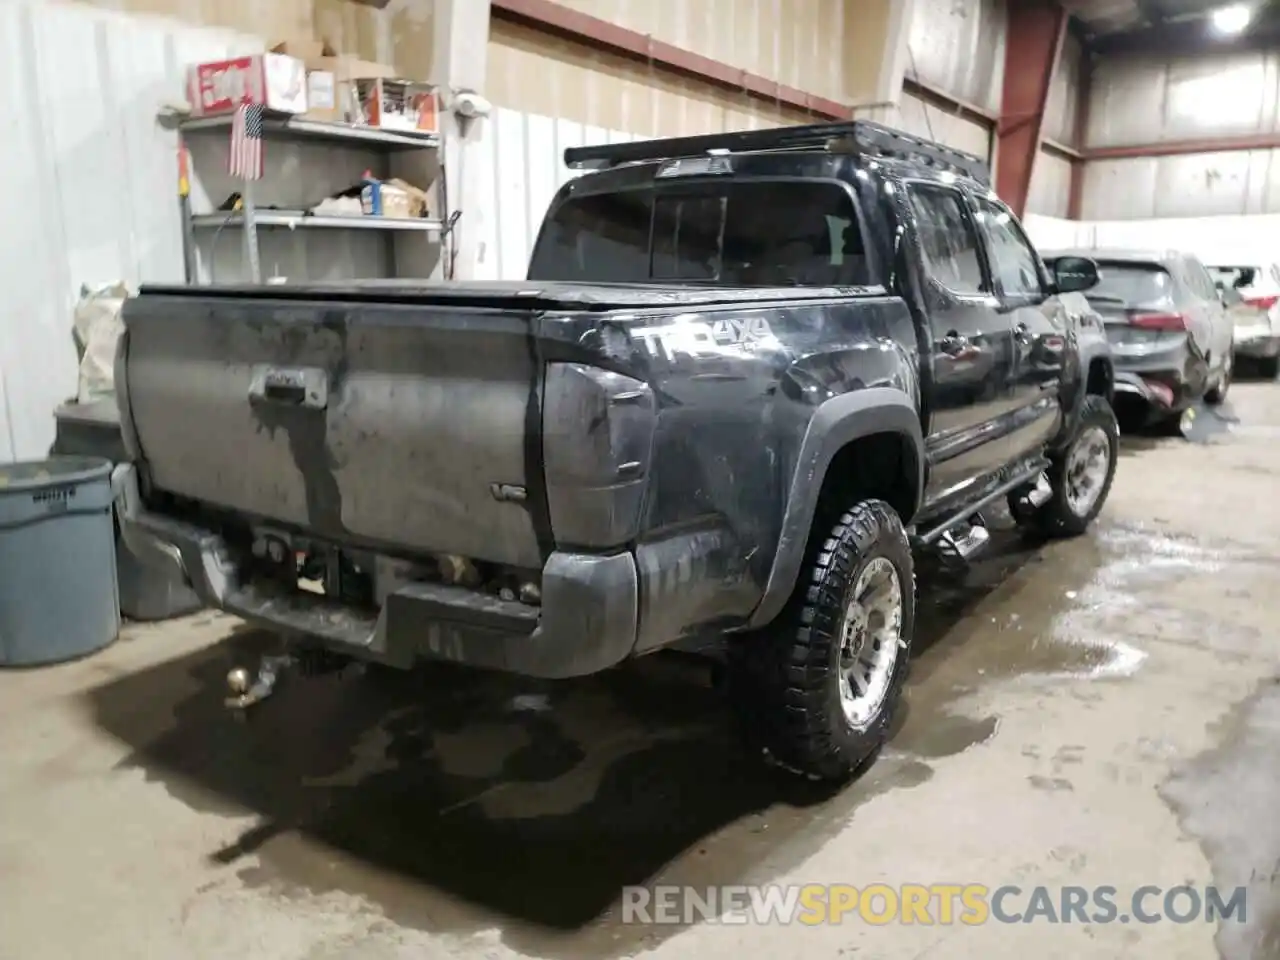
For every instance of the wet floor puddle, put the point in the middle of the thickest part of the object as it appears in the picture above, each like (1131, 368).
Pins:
(457, 803)
(1238, 774)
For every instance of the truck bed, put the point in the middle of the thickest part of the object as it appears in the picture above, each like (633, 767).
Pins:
(393, 415)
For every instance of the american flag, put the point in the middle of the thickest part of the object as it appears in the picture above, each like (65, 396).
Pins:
(245, 160)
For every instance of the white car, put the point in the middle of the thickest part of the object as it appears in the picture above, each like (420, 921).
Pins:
(1252, 296)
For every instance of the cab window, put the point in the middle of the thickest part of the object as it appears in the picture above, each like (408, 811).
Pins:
(738, 233)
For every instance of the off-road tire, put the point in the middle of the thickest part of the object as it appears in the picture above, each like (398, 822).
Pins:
(784, 681)
(1218, 393)
(1055, 518)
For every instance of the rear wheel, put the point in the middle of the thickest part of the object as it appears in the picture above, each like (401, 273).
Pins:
(817, 689)
(1218, 392)
(1080, 476)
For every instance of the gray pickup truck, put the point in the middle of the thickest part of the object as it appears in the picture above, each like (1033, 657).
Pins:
(748, 376)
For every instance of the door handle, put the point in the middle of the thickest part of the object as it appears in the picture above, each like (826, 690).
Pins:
(294, 387)
(954, 345)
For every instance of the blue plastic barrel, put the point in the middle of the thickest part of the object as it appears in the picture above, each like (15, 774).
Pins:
(58, 594)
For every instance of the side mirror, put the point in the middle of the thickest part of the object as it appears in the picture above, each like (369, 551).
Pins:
(1075, 274)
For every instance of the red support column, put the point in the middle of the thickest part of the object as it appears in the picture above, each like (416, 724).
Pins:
(1033, 48)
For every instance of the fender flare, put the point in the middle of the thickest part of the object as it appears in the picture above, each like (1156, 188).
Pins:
(1088, 354)
(836, 422)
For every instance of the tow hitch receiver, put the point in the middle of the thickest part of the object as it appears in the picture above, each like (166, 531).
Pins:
(247, 689)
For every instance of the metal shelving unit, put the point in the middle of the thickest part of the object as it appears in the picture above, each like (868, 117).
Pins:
(321, 130)
(298, 219)
(251, 217)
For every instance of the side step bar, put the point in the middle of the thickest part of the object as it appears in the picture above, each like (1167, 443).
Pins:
(1030, 474)
(964, 533)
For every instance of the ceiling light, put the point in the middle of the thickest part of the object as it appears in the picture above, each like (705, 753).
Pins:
(1233, 19)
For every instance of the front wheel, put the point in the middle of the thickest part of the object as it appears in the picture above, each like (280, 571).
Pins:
(817, 689)
(1080, 476)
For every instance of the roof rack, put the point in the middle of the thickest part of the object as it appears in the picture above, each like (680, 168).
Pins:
(851, 136)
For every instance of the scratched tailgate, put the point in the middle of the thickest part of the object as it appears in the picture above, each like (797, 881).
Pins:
(356, 421)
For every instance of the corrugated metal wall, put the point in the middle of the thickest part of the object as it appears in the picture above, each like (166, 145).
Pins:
(536, 72)
(353, 28)
(92, 181)
(1146, 100)
(796, 42)
(1063, 108)
(957, 46)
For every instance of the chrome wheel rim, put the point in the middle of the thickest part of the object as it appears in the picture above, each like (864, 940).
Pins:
(1087, 470)
(871, 638)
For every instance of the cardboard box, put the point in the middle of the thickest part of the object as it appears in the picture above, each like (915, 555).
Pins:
(275, 80)
(392, 104)
(304, 50)
(322, 97)
(395, 199)
(347, 68)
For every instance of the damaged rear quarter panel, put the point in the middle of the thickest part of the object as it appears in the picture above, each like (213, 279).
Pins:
(736, 387)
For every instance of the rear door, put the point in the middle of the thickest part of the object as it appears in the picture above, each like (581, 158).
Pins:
(972, 351)
(1038, 322)
(1216, 322)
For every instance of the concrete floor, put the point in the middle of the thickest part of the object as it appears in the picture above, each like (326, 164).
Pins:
(1102, 711)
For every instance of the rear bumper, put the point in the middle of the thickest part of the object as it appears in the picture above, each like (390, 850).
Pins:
(1258, 342)
(1159, 377)
(587, 621)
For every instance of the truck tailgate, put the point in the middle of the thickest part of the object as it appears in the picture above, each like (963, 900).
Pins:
(357, 422)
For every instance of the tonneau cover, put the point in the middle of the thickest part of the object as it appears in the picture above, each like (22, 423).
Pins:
(523, 294)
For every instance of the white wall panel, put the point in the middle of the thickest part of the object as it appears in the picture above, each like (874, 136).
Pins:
(522, 170)
(1064, 95)
(1248, 240)
(92, 180)
(1148, 100)
(958, 47)
(1192, 185)
(1056, 233)
(1050, 185)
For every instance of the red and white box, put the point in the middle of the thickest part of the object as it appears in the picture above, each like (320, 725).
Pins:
(275, 80)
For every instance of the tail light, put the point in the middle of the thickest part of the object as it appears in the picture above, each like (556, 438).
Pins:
(1262, 303)
(1161, 322)
(1160, 392)
(598, 430)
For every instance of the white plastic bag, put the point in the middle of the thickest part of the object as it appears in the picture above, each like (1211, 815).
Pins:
(97, 330)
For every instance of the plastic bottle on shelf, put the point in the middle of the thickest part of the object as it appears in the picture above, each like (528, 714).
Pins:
(371, 195)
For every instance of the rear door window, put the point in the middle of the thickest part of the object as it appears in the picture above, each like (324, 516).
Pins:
(1133, 284)
(743, 233)
(1014, 259)
(947, 239)
(1202, 283)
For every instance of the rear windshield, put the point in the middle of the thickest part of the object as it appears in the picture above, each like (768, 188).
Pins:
(1134, 284)
(776, 233)
(1235, 277)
